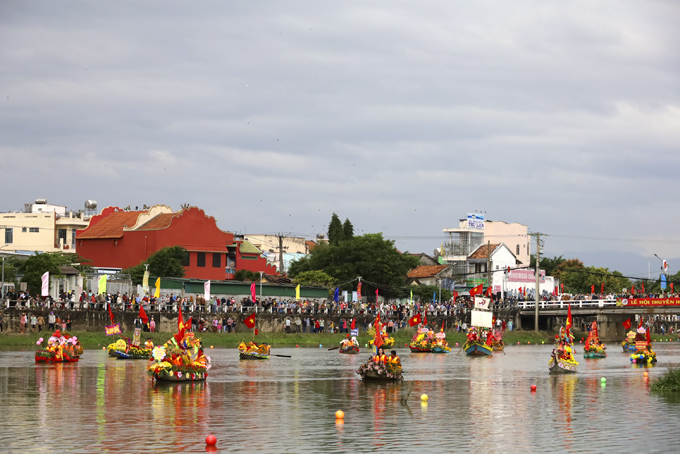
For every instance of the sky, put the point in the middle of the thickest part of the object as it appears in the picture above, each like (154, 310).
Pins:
(401, 116)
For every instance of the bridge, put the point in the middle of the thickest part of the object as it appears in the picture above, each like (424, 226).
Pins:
(609, 313)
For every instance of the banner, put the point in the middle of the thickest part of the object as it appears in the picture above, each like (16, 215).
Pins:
(206, 291)
(481, 319)
(359, 291)
(157, 293)
(113, 329)
(46, 284)
(482, 303)
(297, 293)
(354, 332)
(634, 302)
(102, 283)
(145, 282)
(137, 338)
(252, 291)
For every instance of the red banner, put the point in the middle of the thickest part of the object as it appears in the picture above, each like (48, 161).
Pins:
(648, 302)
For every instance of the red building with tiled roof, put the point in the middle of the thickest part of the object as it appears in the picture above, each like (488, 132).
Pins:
(121, 239)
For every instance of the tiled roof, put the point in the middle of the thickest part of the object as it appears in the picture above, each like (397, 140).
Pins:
(481, 251)
(111, 226)
(310, 245)
(426, 271)
(247, 248)
(161, 221)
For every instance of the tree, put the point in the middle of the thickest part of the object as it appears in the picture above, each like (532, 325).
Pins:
(246, 275)
(335, 233)
(370, 256)
(315, 278)
(36, 265)
(549, 265)
(166, 262)
(347, 230)
(427, 292)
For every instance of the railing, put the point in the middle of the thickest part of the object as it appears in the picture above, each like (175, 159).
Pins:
(565, 304)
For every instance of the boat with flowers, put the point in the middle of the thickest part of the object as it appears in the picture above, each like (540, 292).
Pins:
(253, 351)
(61, 347)
(644, 355)
(562, 359)
(374, 370)
(349, 346)
(126, 349)
(181, 359)
(497, 344)
(475, 345)
(628, 343)
(387, 341)
(594, 348)
(426, 341)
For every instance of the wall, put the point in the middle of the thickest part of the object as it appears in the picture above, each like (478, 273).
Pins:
(42, 241)
(512, 234)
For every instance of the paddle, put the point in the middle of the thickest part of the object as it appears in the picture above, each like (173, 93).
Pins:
(461, 349)
(283, 356)
(334, 348)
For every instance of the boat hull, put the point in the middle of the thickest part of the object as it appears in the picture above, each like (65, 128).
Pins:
(415, 349)
(439, 350)
(175, 379)
(372, 376)
(629, 348)
(477, 349)
(40, 359)
(560, 366)
(122, 355)
(594, 355)
(350, 351)
(498, 347)
(251, 356)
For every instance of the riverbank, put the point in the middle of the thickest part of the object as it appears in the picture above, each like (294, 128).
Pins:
(98, 340)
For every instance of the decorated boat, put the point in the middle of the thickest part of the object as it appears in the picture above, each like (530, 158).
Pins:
(426, 341)
(594, 348)
(126, 349)
(181, 359)
(61, 347)
(494, 339)
(475, 346)
(253, 351)
(387, 341)
(628, 343)
(562, 359)
(644, 355)
(480, 319)
(380, 370)
(349, 346)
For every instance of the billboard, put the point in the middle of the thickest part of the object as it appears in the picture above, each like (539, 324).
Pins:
(475, 221)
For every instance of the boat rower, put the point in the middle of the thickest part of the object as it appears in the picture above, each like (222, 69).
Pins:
(394, 359)
(380, 357)
(148, 344)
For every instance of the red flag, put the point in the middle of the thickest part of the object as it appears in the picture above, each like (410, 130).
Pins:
(187, 324)
(476, 290)
(250, 320)
(256, 332)
(602, 289)
(252, 291)
(519, 290)
(626, 324)
(377, 319)
(562, 287)
(442, 326)
(648, 337)
(632, 290)
(568, 318)
(179, 336)
(640, 324)
(425, 319)
(592, 288)
(352, 327)
(110, 314)
(488, 292)
(142, 314)
(455, 294)
(416, 319)
(643, 286)
(377, 340)
(180, 319)
(376, 295)
(554, 291)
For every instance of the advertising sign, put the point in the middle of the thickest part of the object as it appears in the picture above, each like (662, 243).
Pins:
(525, 276)
(354, 332)
(637, 302)
(112, 329)
(475, 221)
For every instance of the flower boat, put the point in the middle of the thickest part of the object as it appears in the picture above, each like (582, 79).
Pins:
(387, 341)
(349, 346)
(253, 351)
(496, 341)
(181, 359)
(475, 346)
(561, 365)
(133, 353)
(61, 347)
(593, 347)
(126, 349)
(628, 344)
(425, 341)
(562, 359)
(380, 371)
(644, 355)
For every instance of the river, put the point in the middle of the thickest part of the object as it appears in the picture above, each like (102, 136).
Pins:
(481, 405)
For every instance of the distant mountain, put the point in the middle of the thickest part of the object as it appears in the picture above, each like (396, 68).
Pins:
(629, 264)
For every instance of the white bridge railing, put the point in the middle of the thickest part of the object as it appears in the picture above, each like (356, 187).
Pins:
(564, 304)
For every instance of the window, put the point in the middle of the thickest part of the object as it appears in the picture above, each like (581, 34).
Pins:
(200, 259)
(9, 236)
(33, 229)
(61, 236)
(186, 260)
(517, 250)
(73, 237)
(217, 260)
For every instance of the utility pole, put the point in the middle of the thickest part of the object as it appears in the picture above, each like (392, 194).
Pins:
(280, 237)
(539, 243)
(488, 264)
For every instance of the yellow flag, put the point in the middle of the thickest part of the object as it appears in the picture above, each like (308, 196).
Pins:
(297, 293)
(157, 293)
(102, 283)
(145, 282)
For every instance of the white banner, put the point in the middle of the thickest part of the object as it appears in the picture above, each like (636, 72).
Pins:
(206, 291)
(482, 319)
(46, 284)
(482, 303)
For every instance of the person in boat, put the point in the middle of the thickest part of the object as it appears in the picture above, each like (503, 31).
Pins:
(472, 335)
(355, 343)
(380, 357)
(565, 351)
(394, 359)
(148, 344)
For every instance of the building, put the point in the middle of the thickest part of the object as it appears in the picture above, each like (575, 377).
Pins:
(489, 263)
(120, 239)
(431, 275)
(280, 250)
(41, 227)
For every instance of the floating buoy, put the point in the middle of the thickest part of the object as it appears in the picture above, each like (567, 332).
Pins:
(211, 440)
(320, 345)
(423, 397)
(211, 346)
(646, 374)
(533, 388)
(103, 348)
(296, 346)
(528, 343)
(339, 414)
(603, 380)
(456, 344)
(517, 343)
(405, 345)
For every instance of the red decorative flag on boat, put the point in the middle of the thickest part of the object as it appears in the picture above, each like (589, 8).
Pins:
(476, 290)
(626, 324)
(648, 336)
(352, 327)
(568, 318)
(180, 319)
(425, 319)
(250, 320)
(562, 287)
(602, 288)
(415, 320)
(377, 340)
(142, 314)
(377, 319)
(442, 326)
(592, 288)
(110, 314)
(640, 324)
(643, 286)
(187, 324)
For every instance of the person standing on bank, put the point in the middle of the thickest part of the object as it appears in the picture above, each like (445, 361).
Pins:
(41, 322)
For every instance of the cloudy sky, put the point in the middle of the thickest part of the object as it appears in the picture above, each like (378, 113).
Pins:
(401, 116)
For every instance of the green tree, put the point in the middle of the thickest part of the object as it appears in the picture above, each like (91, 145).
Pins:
(316, 278)
(166, 262)
(427, 292)
(370, 256)
(36, 265)
(549, 265)
(335, 233)
(347, 230)
(246, 275)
